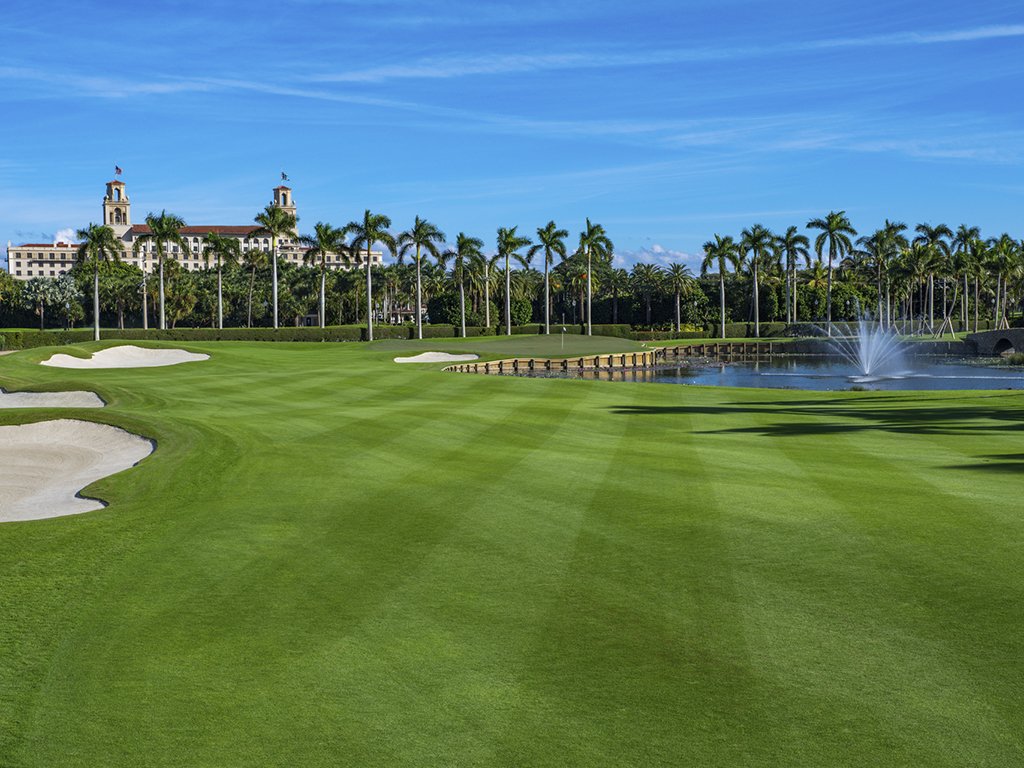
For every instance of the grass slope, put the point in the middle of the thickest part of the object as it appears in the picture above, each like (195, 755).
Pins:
(332, 559)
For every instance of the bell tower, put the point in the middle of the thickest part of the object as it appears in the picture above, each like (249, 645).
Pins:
(283, 200)
(117, 208)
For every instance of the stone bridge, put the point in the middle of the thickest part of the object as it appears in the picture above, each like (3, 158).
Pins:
(997, 342)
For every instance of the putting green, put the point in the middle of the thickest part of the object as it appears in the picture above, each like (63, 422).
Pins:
(332, 559)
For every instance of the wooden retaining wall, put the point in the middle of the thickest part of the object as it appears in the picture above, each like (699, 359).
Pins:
(620, 361)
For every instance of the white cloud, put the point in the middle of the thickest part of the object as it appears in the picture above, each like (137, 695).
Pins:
(657, 254)
(66, 235)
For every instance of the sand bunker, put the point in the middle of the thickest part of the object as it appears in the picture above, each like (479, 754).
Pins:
(76, 399)
(126, 356)
(435, 357)
(47, 463)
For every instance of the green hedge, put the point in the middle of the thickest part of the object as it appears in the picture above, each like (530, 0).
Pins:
(665, 335)
(31, 339)
(620, 330)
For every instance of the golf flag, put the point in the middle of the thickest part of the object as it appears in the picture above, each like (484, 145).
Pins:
(117, 170)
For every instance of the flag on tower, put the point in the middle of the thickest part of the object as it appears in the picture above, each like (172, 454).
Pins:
(284, 176)
(117, 170)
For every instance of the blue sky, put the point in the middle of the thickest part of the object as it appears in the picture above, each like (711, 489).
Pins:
(665, 121)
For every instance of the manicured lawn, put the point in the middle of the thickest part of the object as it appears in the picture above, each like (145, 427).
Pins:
(332, 559)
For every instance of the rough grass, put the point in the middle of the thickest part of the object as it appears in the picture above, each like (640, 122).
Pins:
(333, 559)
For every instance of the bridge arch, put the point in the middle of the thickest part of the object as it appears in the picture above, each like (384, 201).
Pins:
(1002, 346)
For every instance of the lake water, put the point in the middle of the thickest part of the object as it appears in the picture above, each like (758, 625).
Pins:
(822, 373)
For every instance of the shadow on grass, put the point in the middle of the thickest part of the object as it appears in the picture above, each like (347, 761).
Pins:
(1010, 463)
(946, 416)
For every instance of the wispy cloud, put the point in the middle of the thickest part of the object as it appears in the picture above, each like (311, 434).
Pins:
(502, 64)
(656, 254)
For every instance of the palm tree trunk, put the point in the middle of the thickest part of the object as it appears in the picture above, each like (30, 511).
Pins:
(145, 307)
(96, 303)
(678, 324)
(787, 294)
(508, 299)
(273, 247)
(462, 305)
(589, 295)
(828, 292)
(547, 299)
(252, 284)
(220, 296)
(721, 296)
(796, 292)
(369, 297)
(323, 296)
(757, 306)
(419, 298)
(42, 316)
(487, 295)
(163, 315)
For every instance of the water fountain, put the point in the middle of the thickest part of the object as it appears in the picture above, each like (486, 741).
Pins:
(874, 350)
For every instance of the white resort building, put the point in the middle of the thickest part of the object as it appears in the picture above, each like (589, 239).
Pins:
(55, 259)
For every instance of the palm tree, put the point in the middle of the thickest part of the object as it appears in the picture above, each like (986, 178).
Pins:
(550, 241)
(325, 241)
(618, 283)
(594, 242)
(223, 249)
(423, 236)
(934, 239)
(253, 259)
(793, 247)
(836, 232)
(97, 244)
(466, 250)
(647, 280)
(679, 278)
(508, 243)
(276, 222)
(721, 253)
(758, 241)
(163, 230)
(372, 229)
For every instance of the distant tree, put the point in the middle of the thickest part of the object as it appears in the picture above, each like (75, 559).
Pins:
(550, 243)
(466, 249)
(423, 236)
(254, 259)
(373, 228)
(509, 244)
(594, 244)
(322, 243)
(679, 280)
(164, 230)
(97, 244)
(720, 253)
(275, 222)
(836, 232)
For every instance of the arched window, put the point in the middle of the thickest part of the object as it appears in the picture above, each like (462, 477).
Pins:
(117, 193)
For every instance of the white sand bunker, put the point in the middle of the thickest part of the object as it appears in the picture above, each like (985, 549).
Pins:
(435, 357)
(47, 463)
(75, 399)
(126, 356)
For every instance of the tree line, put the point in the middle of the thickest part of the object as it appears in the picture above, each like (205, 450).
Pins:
(922, 279)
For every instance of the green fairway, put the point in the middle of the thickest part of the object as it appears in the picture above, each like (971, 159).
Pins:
(332, 559)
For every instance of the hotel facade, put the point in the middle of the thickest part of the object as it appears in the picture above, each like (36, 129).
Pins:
(55, 259)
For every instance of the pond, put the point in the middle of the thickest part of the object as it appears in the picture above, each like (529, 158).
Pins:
(820, 373)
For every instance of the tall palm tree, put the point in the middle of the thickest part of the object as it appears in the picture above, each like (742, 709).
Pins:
(962, 243)
(836, 232)
(550, 242)
(277, 223)
(793, 247)
(758, 241)
(253, 259)
(97, 244)
(365, 234)
(618, 284)
(423, 236)
(224, 250)
(679, 279)
(935, 240)
(508, 245)
(720, 253)
(594, 243)
(324, 241)
(164, 230)
(466, 250)
(647, 281)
